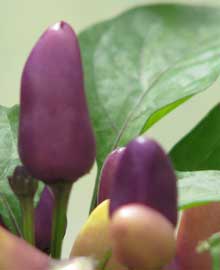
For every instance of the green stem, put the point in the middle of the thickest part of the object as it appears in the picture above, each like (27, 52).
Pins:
(61, 194)
(105, 260)
(27, 207)
(215, 259)
(93, 203)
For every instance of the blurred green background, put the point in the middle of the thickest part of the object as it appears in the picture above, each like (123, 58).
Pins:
(23, 21)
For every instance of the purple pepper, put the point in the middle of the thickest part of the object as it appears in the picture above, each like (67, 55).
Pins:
(56, 140)
(145, 175)
(43, 220)
(108, 173)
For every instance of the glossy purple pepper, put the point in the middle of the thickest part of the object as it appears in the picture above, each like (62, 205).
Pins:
(108, 173)
(145, 175)
(56, 140)
(43, 220)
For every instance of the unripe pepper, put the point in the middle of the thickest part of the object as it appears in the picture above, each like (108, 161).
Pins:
(22, 183)
(145, 175)
(24, 187)
(56, 140)
(108, 174)
(93, 239)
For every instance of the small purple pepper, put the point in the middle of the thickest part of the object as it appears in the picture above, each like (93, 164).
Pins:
(43, 220)
(108, 173)
(145, 175)
(56, 140)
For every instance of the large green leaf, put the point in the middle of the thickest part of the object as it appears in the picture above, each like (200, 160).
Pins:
(144, 63)
(200, 149)
(197, 188)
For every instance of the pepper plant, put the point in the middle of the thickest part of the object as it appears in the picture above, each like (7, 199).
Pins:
(94, 97)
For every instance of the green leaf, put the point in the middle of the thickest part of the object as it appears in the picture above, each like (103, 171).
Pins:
(200, 149)
(198, 188)
(212, 244)
(144, 63)
(9, 205)
(9, 159)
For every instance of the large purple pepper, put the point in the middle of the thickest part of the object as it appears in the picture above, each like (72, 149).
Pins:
(56, 140)
(108, 173)
(145, 175)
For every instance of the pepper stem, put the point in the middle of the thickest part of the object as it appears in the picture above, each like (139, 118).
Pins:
(27, 206)
(61, 193)
(24, 187)
(93, 203)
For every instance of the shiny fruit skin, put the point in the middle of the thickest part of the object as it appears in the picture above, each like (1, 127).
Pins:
(56, 141)
(145, 175)
(142, 238)
(108, 174)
